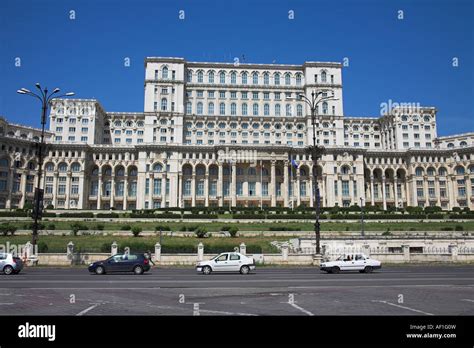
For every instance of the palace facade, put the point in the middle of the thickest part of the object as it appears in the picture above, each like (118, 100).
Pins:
(219, 134)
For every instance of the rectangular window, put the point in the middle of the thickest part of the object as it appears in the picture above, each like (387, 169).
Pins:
(157, 187)
(147, 186)
(213, 189)
(345, 188)
(335, 188)
(303, 188)
(252, 188)
(265, 189)
(226, 188)
(240, 190)
(132, 189)
(61, 189)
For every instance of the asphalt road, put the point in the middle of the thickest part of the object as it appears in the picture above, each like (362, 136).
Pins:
(397, 290)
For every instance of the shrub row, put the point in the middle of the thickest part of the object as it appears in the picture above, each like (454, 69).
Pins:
(140, 246)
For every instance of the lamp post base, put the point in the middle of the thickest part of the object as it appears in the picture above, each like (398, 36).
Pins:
(317, 258)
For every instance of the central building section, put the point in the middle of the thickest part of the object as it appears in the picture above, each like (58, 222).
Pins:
(216, 109)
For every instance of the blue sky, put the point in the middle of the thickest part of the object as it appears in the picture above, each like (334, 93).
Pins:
(407, 60)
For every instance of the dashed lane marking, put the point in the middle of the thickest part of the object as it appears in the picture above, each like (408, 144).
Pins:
(88, 309)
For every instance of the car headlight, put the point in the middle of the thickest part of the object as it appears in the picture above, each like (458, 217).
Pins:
(91, 264)
(323, 265)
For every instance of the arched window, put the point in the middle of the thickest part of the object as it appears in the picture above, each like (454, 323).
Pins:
(276, 78)
(266, 79)
(76, 167)
(450, 145)
(133, 171)
(189, 76)
(95, 171)
(287, 79)
(49, 167)
(107, 171)
(233, 109)
(460, 170)
(298, 79)
(302, 172)
(164, 104)
(244, 109)
(264, 172)
(299, 110)
(31, 165)
(120, 171)
(471, 169)
(252, 171)
(213, 170)
(211, 76)
(164, 73)
(462, 143)
(419, 171)
(323, 76)
(255, 109)
(266, 110)
(442, 171)
(157, 168)
(233, 78)
(430, 171)
(244, 78)
(404, 118)
(255, 78)
(200, 170)
(221, 109)
(210, 125)
(199, 108)
(62, 167)
(189, 108)
(200, 76)
(210, 109)
(325, 108)
(277, 110)
(426, 118)
(222, 77)
(288, 110)
(345, 170)
(187, 170)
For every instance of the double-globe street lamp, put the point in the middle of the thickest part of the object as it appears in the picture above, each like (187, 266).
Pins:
(316, 152)
(45, 99)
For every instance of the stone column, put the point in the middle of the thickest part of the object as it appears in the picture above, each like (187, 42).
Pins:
(284, 252)
(285, 184)
(243, 249)
(200, 252)
(438, 196)
(112, 189)
(407, 192)
(234, 184)
(180, 190)
(193, 188)
(323, 191)
(425, 191)
(113, 249)
(467, 181)
(151, 178)
(83, 192)
(450, 193)
(454, 252)
(395, 191)
(384, 193)
(406, 252)
(220, 184)
(311, 189)
(415, 194)
(68, 189)
(164, 177)
(272, 188)
(206, 187)
(157, 252)
(23, 189)
(99, 190)
(372, 196)
(125, 192)
(10, 188)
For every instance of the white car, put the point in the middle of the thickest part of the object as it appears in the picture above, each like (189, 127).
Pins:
(351, 262)
(227, 262)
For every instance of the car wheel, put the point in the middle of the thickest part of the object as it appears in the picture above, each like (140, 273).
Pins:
(335, 269)
(8, 270)
(244, 270)
(206, 270)
(99, 270)
(138, 270)
(368, 269)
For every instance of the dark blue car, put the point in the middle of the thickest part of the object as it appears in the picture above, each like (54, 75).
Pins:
(136, 263)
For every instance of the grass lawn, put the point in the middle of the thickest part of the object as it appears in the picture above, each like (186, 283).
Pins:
(173, 244)
(264, 226)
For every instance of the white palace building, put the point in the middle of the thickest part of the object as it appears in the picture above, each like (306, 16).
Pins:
(223, 134)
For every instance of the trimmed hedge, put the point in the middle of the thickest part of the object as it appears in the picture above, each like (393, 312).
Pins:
(13, 214)
(77, 215)
(108, 215)
(462, 216)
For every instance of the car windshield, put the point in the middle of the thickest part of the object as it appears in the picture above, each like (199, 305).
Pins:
(340, 258)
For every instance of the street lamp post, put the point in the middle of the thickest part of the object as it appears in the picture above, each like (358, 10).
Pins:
(316, 152)
(45, 100)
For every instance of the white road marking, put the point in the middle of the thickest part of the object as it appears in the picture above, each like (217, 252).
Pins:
(6, 304)
(227, 313)
(87, 309)
(294, 305)
(468, 300)
(404, 307)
